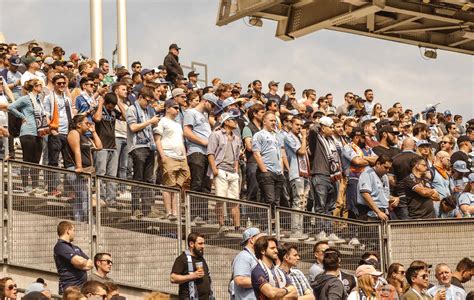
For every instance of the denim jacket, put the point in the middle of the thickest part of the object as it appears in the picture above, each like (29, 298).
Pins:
(217, 145)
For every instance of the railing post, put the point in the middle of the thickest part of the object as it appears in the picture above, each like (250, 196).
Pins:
(179, 231)
(277, 223)
(8, 221)
(187, 208)
(95, 228)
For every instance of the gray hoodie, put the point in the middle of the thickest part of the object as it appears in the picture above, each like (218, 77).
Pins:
(328, 287)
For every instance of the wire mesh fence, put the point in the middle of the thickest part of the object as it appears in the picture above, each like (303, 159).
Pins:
(139, 233)
(38, 199)
(432, 241)
(223, 221)
(351, 238)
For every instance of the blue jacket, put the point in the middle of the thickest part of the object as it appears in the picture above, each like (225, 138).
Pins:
(23, 109)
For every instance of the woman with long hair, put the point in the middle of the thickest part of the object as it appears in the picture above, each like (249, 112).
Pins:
(35, 125)
(79, 148)
(396, 278)
(423, 149)
(8, 288)
(377, 110)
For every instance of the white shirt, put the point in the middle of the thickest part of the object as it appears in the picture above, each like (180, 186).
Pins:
(28, 76)
(452, 292)
(172, 140)
(3, 115)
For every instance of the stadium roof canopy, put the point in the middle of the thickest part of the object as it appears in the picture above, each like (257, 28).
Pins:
(438, 24)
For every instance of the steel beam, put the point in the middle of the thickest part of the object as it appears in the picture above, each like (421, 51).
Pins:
(122, 44)
(96, 29)
(400, 23)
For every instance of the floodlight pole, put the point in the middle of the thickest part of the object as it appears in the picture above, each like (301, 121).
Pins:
(96, 29)
(122, 44)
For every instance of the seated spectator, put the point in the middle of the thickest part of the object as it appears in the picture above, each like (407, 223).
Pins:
(103, 266)
(459, 179)
(8, 288)
(444, 288)
(289, 258)
(73, 293)
(38, 290)
(317, 268)
(447, 208)
(396, 278)
(367, 278)
(94, 288)
(417, 277)
(463, 272)
(466, 199)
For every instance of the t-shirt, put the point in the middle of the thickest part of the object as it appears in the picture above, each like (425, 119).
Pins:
(199, 123)
(419, 207)
(171, 138)
(378, 188)
(260, 278)
(459, 155)
(106, 127)
(466, 199)
(203, 285)
(243, 265)
(275, 97)
(297, 162)
(391, 152)
(269, 145)
(452, 292)
(68, 274)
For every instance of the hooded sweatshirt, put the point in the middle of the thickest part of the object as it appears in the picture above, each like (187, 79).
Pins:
(328, 287)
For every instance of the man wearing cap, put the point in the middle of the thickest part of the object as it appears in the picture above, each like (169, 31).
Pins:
(32, 70)
(326, 169)
(223, 151)
(418, 191)
(13, 76)
(241, 284)
(447, 118)
(140, 120)
(193, 81)
(171, 63)
(147, 77)
(179, 96)
(465, 148)
(272, 92)
(466, 199)
(387, 141)
(458, 179)
(196, 130)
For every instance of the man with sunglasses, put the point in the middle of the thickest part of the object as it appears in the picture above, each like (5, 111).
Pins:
(388, 139)
(417, 277)
(32, 70)
(103, 265)
(348, 103)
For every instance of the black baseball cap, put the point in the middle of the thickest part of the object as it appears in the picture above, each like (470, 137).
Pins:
(462, 139)
(174, 46)
(388, 129)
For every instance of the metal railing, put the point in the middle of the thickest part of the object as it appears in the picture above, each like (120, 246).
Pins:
(144, 248)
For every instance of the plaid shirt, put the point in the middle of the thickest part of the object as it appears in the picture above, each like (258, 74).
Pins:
(299, 281)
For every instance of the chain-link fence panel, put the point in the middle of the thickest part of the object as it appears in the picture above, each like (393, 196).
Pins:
(223, 221)
(352, 238)
(141, 229)
(432, 241)
(39, 198)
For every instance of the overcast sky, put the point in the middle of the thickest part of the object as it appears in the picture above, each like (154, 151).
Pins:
(326, 61)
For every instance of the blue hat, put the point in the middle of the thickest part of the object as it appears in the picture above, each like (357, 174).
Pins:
(422, 143)
(229, 101)
(249, 104)
(460, 166)
(471, 177)
(15, 61)
(447, 113)
(211, 98)
(249, 233)
(146, 71)
(229, 115)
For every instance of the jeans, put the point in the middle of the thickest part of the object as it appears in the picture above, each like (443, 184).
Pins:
(252, 184)
(271, 185)
(106, 164)
(299, 190)
(80, 208)
(121, 154)
(200, 182)
(325, 194)
(143, 165)
(56, 145)
(31, 146)
(351, 197)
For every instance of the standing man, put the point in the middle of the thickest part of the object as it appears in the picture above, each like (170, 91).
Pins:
(141, 120)
(388, 137)
(223, 152)
(369, 104)
(71, 262)
(299, 172)
(269, 154)
(172, 65)
(328, 285)
(465, 148)
(13, 76)
(289, 258)
(121, 151)
(242, 266)
(444, 287)
(191, 272)
(347, 106)
(269, 282)
(103, 266)
(272, 92)
(193, 81)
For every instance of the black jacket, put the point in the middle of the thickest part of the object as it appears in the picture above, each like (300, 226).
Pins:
(328, 287)
(173, 68)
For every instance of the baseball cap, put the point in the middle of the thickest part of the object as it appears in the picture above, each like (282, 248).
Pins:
(360, 99)
(462, 139)
(460, 166)
(15, 61)
(249, 233)
(388, 129)
(211, 98)
(326, 121)
(273, 83)
(192, 73)
(161, 68)
(367, 269)
(229, 101)
(174, 46)
(49, 60)
(31, 59)
(249, 104)
(447, 113)
(146, 71)
(170, 103)
(228, 115)
(367, 118)
(471, 177)
(177, 92)
(422, 143)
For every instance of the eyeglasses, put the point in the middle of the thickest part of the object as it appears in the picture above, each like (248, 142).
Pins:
(38, 84)
(445, 142)
(11, 287)
(108, 261)
(175, 107)
(425, 276)
(350, 97)
(61, 82)
(401, 272)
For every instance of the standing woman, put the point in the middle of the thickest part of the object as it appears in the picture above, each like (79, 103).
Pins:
(79, 148)
(35, 125)
(8, 289)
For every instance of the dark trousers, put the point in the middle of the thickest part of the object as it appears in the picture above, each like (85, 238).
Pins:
(56, 145)
(200, 182)
(271, 186)
(143, 165)
(252, 184)
(32, 147)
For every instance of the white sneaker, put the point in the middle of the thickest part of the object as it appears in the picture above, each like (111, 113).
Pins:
(335, 239)
(299, 236)
(321, 236)
(354, 242)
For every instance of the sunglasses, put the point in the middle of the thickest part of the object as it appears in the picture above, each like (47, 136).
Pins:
(444, 142)
(108, 261)
(424, 276)
(12, 286)
(175, 107)
(61, 83)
